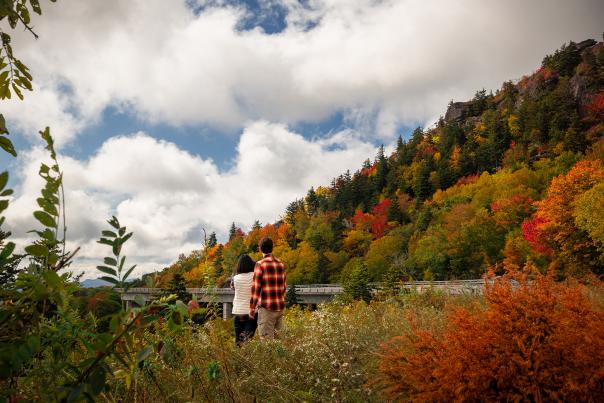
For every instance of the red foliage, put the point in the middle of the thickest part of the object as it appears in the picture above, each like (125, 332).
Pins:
(535, 341)
(468, 179)
(513, 210)
(380, 226)
(369, 171)
(545, 74)
(532, 234)
(362, 220)
(376, 221)
(596, 106)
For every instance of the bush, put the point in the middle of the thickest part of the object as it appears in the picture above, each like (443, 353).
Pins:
(533, 341)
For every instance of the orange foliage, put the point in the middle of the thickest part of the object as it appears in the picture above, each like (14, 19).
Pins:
(555, 222)
(371, 171)
(537, 341)
(512, 210)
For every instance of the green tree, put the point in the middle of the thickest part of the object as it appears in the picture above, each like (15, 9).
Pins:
(212, 241)
(291, 296)
(232, 231)
(177, 287)
(356, 286)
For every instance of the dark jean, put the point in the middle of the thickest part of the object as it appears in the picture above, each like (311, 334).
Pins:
(245, 327)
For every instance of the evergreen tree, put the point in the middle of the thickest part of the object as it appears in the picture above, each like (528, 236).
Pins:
(256, 225)
(381, 173)
(212, 241)
(423, 188)
(312, 202)
(356, 287)
(177, 286)
(291, 297)
(232, 231)
(218, 262)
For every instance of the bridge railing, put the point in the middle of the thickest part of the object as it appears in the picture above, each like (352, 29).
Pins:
(324, 288)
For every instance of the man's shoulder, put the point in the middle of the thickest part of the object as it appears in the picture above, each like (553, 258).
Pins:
(272, 260)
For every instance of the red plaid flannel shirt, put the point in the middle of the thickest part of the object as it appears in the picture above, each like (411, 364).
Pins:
(268, 284)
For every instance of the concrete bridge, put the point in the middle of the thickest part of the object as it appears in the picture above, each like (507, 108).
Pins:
(310, 294)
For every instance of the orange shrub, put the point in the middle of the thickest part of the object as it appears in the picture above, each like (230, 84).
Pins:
(538, 341)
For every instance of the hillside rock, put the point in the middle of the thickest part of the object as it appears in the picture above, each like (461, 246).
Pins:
(457, 111)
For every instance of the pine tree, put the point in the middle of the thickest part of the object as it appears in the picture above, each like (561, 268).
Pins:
(177, 286)
(291, 297)
(232, 231)
(256, 225)
(312, 202)
(356, 286)
(212, 241)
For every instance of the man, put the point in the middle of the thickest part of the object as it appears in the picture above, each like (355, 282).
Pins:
(268, 291)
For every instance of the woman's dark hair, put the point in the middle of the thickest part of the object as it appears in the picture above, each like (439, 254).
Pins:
(245, 264)
(266, 245)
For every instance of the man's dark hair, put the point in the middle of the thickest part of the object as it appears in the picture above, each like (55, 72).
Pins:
(245, 264)
(266, 245)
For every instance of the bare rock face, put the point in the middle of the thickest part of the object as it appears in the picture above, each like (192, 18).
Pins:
(457, 111)
(585, 44)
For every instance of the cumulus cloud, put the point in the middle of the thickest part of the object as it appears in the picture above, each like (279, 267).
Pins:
(390, 62)
(166, 195)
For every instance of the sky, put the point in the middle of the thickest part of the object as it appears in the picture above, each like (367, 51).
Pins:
(178, 116)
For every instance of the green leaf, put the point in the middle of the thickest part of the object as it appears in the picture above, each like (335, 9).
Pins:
(181, 307)
(3, 179)
(144, 354)
(52, 278)
(7, 145)
(3, 129)
(110, 261)
(18, 91)
(116, 248)
(109, 234)
(128, 273)
(7, 250)
(3, 205)
(126, 237)
(114, 322)
(105, 241)
(45, 219)
(114, 222)
(107, 270)
(140, 300)
(97, 380)
(6, 192)
(36, 250)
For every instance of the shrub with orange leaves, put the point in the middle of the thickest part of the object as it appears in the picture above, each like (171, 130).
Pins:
(534, 340)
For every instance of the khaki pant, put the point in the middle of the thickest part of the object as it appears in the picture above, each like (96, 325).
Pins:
(269, 322)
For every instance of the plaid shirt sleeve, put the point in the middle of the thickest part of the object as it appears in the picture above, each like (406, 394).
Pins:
(256, 288)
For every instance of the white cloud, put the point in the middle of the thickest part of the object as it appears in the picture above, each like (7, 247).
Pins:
(400, 60)
(166, 195)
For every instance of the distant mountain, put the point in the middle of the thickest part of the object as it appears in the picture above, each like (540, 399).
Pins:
(94, 282)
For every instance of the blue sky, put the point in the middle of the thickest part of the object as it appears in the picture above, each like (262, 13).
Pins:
(193, 114)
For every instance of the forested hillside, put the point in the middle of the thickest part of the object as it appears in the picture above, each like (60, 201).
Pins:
(500, 180)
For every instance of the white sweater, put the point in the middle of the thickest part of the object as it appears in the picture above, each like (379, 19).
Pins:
(243, 293)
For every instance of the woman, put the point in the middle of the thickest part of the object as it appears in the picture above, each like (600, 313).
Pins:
(245, 327)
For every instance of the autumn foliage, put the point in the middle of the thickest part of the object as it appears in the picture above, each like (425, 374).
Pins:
(534, 340)
(554, 223)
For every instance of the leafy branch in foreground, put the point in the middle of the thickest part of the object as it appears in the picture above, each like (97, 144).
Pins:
(49, 250)
(114, 266)
(13, 73)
